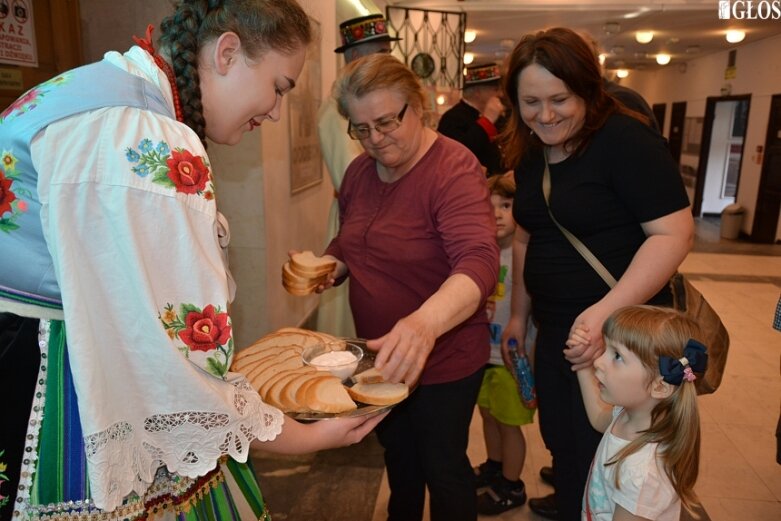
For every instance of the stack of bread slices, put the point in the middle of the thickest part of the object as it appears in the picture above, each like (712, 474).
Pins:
(304, 272)
(274, 367)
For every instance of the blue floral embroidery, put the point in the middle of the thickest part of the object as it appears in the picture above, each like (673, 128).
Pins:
(178, 169)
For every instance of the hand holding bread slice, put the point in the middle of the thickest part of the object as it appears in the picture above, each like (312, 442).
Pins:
(304, 272)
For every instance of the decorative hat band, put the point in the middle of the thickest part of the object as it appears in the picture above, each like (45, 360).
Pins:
(482, 74)
(362, 30)
(694, 360)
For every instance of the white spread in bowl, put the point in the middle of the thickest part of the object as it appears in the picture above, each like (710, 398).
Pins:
(341, 364)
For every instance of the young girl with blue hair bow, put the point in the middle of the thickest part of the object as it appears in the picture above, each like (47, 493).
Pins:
(640, 393)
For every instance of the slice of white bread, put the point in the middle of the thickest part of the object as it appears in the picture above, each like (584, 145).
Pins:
(329, 395)
(276, 339)
(268, 384)
(286, 395)
(261, 377)
(273, 394)
(294, 278)
(309, 265)
(296, 396)
(369, 376)
(252, 371)
(251, 359)
(379, 394)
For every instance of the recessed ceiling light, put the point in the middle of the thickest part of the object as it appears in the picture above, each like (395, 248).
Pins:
(468, 58)
(622, 73)
(735, 35)
(663, 59)
(602, 58)
(644, 36)
(470, 35)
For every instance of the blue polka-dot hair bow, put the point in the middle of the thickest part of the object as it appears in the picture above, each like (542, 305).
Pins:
(675, 370)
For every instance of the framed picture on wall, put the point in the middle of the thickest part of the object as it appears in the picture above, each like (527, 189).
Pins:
(306, 165)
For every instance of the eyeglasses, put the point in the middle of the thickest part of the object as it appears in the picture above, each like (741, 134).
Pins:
(385, 126)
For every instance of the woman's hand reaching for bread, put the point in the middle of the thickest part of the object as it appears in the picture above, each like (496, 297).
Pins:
(402, 353)
(301, 438)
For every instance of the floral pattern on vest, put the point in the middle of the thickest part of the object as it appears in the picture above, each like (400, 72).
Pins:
(31, 99)
(12, 202)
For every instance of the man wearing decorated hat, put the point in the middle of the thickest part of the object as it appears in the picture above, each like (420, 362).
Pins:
(360, 37)
(473, 120)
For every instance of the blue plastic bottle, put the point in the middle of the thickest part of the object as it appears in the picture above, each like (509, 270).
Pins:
(522, 372)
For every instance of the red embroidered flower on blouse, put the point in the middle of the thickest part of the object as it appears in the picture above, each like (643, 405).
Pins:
(6, 195)
(206, 330)
(187, 172)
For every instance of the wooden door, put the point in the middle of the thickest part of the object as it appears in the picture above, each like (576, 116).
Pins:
(677, 120)
(769, 196)
(58, 41)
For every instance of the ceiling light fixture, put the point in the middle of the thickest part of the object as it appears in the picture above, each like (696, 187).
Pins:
(468, 58)
(602, 57)
(663, 59)
(622, 73)
(470, 35)
(644, 36)
(735, 35)
(441, 100)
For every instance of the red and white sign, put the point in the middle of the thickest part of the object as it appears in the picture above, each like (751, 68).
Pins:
(17, 33)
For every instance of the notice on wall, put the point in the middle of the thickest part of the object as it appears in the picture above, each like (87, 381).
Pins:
(17, 33)
(11, 79)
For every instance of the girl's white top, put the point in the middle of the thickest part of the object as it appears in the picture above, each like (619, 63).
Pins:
(644, 490)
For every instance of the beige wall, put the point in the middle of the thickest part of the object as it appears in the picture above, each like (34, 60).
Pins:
(758, 74)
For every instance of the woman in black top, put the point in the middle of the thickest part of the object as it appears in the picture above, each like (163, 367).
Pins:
(617, 189)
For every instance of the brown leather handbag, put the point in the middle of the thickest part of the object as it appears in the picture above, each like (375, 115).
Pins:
(686, 299)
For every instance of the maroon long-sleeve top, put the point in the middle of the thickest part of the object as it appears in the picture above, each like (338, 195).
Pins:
(402, 240)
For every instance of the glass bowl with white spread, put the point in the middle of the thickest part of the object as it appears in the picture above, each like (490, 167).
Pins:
(339, 358)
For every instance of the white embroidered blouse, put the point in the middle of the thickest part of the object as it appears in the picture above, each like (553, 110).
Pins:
(131, 222)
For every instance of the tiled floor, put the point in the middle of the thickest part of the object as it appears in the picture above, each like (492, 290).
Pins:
(739, 477)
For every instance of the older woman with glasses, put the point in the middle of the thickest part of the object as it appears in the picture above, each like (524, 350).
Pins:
(417, 240)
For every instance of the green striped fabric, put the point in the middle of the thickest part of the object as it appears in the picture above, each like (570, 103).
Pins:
(232, 493)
